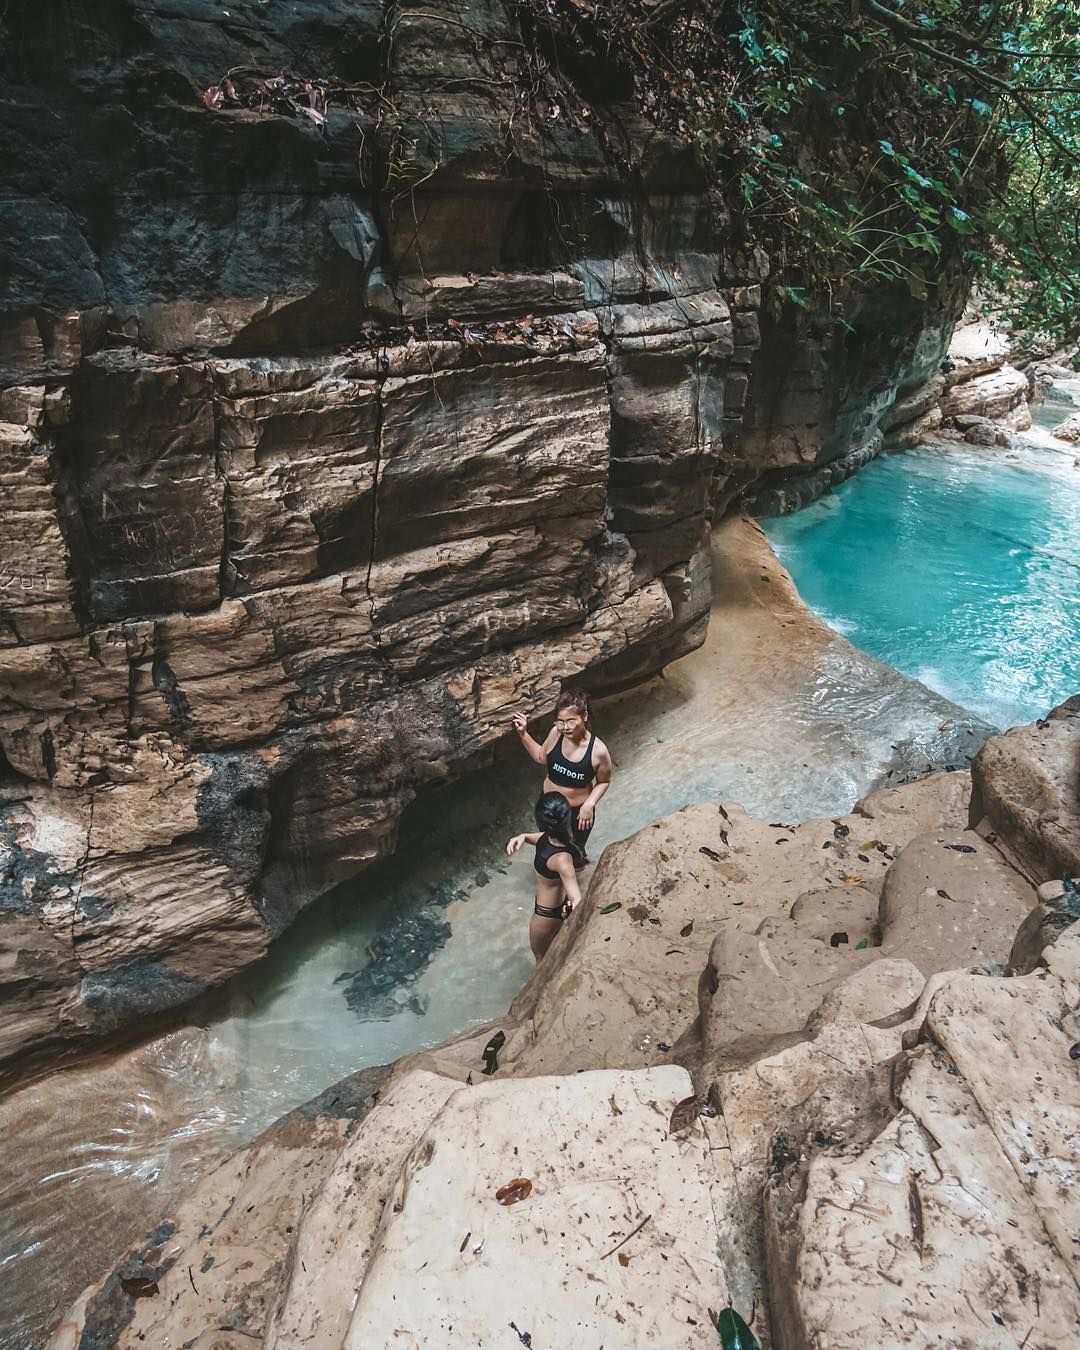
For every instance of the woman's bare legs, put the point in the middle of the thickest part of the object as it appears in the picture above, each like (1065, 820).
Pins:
(542, 934)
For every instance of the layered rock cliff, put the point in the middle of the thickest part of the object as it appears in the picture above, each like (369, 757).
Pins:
(366, 373)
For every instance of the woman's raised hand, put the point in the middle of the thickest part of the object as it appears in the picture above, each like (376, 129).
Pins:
(514, 844)
(521, 723)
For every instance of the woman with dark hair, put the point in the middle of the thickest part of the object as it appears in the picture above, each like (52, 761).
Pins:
(557, 855)
(577, 762)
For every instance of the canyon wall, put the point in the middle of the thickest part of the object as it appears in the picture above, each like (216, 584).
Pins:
(366, 373)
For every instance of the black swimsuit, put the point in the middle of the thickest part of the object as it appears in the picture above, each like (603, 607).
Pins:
(571, 773)
(545, 851)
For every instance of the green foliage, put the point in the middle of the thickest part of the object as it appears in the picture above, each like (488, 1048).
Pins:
(869, 139)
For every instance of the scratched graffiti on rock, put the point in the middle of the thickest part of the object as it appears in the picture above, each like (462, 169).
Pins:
(13, 580)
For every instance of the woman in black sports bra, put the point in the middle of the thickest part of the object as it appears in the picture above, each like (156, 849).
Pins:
(577, 763)
(557, 856)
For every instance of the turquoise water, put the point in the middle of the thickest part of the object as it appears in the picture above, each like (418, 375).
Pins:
(958, 570)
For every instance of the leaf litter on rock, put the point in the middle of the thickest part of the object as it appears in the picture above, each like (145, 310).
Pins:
(520, 1188)
(684, 1114)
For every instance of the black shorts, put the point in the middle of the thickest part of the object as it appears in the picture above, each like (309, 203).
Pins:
(580, 836)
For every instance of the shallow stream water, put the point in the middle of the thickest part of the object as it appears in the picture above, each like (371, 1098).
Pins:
(959, 567)
(433, 942)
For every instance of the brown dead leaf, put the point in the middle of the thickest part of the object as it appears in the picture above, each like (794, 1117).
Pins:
(518, 1189)
(615, 1111)
(684, 1115)
(624, 1260)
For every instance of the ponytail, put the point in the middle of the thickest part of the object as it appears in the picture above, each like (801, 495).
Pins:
(553, 818)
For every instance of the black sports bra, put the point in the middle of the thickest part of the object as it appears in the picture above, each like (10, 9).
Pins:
(571, 773)
(545, 851)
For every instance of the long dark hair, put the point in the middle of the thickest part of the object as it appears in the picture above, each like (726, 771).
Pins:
(553, 818)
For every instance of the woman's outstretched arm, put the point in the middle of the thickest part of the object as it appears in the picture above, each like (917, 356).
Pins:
(536, 752)
(518, 840)
(564, 865)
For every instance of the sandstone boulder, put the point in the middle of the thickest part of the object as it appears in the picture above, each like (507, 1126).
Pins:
(1069, 430)
(1026, 788)
(409, 1244)
(954, 1222)
(989, 395)
(950, 900)
(938, 801)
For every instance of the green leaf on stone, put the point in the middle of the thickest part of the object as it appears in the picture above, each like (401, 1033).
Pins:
(610, 909)
(862, 944)
(734, 1333)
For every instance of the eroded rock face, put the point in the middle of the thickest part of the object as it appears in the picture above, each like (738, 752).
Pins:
(327, 444)
(962, 1200)
(315, 474)
(992, 395)
(1026, 789)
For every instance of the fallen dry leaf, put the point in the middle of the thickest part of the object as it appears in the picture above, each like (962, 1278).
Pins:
(518, 1189)
(684, 1115)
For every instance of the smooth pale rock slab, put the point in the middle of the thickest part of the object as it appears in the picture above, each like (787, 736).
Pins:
(340, 1225)
(1027, 788)
(925, 1236)
(1010, 1039)
(876, 993)
(453, 1268)
(950, 900)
